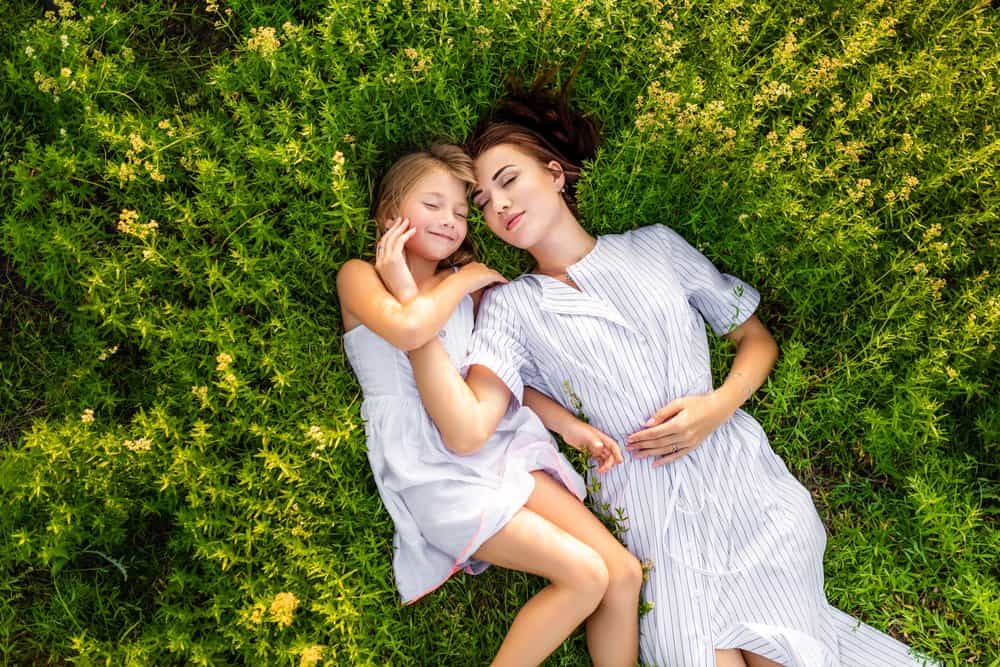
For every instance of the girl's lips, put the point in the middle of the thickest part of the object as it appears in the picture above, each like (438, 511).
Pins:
(513, 221)
(443, 236)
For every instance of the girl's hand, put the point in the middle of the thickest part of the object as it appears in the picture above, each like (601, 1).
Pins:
(603, 449)
(678, 428)
(390, 260)
(478, 276)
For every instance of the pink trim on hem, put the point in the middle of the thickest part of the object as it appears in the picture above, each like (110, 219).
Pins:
(462, 557)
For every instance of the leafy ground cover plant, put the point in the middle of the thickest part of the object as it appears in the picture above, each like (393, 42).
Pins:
(183, 466)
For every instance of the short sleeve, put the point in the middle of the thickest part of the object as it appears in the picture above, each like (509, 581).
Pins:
(723, 300)
(498, 343)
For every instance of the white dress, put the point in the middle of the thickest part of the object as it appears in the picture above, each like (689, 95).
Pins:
(735, 543)
(443, 505)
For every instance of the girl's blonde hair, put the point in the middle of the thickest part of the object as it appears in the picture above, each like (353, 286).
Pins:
(409, 169)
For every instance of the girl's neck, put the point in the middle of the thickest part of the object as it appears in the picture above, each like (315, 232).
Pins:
(565, 244)
(423, 270)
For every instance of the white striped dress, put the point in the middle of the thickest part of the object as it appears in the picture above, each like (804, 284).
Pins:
(735, 542)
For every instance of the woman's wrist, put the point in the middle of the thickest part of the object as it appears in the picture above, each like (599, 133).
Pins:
(733, 393)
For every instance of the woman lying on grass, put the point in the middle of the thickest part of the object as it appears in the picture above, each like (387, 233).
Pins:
(617, 324)
(511, 499)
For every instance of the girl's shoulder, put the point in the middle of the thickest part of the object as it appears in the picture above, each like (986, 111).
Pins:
(354, 269)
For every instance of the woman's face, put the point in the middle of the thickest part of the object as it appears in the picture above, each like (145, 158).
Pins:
(518, 194)
(437, 209)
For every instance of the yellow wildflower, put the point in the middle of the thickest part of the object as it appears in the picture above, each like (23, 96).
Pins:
(311, 656)
(223, 360)
(139, 445)
(283, 607)
(88, 416)
(264, 40)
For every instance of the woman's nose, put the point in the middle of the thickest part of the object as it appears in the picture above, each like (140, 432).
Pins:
(500, 204)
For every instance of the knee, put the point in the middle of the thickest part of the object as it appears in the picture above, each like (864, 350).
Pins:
(591, 576)
(626, 575)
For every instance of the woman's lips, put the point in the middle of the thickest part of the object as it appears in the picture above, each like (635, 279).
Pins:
(513, 221)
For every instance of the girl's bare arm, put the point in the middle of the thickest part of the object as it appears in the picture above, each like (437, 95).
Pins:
(466, 411)
(364, 297)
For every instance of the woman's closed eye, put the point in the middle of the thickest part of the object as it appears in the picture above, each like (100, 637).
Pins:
(508, 181)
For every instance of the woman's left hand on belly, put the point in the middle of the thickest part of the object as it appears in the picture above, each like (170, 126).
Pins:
(678, 428)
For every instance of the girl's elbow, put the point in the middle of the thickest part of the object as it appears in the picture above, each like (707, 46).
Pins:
(412, 335)
(464, 447)
(468, 443)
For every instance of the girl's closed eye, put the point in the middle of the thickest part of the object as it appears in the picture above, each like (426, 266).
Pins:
(431, 206)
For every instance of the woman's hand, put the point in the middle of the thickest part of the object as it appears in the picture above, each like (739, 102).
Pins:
(603, 449)
(477, 276)
(390, 260)
(678, 428)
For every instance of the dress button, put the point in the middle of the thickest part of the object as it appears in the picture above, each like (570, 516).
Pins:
(442, 334)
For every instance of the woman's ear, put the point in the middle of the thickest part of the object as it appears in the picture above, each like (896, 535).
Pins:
(558, 175)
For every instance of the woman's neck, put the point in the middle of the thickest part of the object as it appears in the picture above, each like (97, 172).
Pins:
(565, 244)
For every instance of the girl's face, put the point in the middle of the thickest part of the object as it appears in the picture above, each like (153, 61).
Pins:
(437, 208)
(518, 194)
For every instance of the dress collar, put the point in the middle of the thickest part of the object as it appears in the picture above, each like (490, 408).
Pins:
(558, 297)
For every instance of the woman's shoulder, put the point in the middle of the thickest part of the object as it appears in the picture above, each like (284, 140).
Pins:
(514, 295)
(655, 232)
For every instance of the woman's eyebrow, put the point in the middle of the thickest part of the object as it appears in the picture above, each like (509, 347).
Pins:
(500, 170)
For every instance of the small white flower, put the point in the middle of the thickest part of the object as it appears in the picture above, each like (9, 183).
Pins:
(29, 51)
(64, 40)
(62, 131)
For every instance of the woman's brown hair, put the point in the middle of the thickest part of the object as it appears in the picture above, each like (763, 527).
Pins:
(404, 174)
(539, 122)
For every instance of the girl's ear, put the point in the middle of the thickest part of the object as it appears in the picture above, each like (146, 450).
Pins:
(558, 175)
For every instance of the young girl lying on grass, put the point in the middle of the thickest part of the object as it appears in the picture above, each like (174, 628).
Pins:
(513, 501)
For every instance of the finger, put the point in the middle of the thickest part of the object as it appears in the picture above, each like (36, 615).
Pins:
(670, 458)
(654, 433)
(664, 413)
(661, 449)
(406, 236)
(613, 448)
(393, 230)
(399, 240)
(607, 459)
(596, 449)
(389, 224)
(401, 227)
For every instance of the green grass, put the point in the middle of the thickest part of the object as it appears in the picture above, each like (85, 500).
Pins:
(842, 157)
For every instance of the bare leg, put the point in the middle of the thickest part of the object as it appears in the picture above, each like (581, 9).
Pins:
(754, 660)
(613, 629)
(729, 657)
(579, 577)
